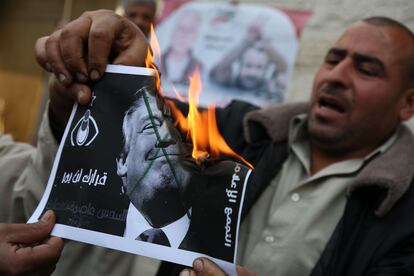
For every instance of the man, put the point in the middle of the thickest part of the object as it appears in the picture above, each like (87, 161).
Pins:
(259, 67)
(153, 176)
(141, 13)
(253, 67)
(166, 190)
(27, 249)
(178, 61)
(350, 140)
(25, 171)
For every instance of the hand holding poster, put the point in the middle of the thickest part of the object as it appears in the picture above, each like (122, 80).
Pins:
(123, 178)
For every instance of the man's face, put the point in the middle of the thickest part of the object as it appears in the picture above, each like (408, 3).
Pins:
(186, 30)
(358, 91)
(142, 15)
(155, 182)
(253, 68)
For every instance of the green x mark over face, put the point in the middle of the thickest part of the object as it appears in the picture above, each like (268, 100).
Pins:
(153, 175)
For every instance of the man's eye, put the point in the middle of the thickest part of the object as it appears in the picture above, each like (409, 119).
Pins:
(332, 60)
(147, 127)
(150, 125)
(372, 72)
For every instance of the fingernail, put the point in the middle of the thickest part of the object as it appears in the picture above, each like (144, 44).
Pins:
(81, 95)
(47, 216)
(94, 75)
(48, 67)
(81, 77)
(185, 273)
(62, 78)
(198, 265)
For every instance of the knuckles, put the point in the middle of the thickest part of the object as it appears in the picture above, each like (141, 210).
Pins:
(100, 34)
(99, 12)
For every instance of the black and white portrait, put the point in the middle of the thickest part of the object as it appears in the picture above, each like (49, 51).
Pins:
(124, 178)
(153, 179)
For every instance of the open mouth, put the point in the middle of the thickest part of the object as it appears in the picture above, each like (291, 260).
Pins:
(331, 104)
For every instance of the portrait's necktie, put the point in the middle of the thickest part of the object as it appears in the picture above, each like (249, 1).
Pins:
(154, 235)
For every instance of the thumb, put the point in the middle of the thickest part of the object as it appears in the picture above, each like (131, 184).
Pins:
(32, 233)
(205, 267)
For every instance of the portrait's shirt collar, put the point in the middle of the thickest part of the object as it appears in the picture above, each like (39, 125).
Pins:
(136, 224)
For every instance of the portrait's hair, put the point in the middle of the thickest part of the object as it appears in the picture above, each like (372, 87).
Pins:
(383, 21)
(389, 22)
(127, 124)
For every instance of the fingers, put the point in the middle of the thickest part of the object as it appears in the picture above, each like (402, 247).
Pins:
(62, 99)
(30, 233)
(112, 35)
(40, 53)
(61, 95)
(44, 253)
(73, 39)
(55, 60)
(36, 260)
(81, 49)
(80, 52)
(65, 51)
(103, 33)
(203, 267)
(27, 249)
(131, 48)
(188, 272)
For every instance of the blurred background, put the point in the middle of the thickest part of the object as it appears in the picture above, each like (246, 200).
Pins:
(23, 84)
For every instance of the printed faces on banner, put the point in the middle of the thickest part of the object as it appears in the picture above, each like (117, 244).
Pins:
(244, 51)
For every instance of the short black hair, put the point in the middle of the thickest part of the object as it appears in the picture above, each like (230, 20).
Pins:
(383, 21)
(389, 22)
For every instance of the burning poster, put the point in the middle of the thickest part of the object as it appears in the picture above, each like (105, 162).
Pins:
(125, 178)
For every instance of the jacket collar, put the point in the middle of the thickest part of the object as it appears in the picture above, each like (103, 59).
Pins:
(392, 170)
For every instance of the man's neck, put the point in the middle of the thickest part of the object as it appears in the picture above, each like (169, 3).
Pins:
(321, 158)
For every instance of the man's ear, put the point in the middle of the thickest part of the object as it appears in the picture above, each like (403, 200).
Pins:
(407, 109)
(121, 166)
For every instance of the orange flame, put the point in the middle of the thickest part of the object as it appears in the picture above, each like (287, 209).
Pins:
(178, 94)
(200, 127)
(154, 48)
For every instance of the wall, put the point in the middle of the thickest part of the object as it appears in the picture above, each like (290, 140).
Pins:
(22, 82)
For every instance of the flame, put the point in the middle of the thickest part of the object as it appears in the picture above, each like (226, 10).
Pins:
(155, 46)
(149, 59)
(200, 126)
(178, 94)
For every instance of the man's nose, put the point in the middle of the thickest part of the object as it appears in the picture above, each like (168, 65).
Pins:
(164, 143)
(340, 74)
